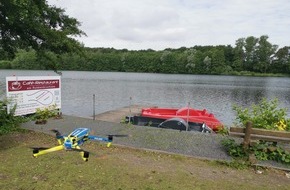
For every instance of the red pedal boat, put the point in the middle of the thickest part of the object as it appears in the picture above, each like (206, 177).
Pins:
(186, 113)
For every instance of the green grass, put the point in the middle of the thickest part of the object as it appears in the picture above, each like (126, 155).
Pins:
(118, 168)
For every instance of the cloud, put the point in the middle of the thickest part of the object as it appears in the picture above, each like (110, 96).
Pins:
(161, 24)
(155, 24)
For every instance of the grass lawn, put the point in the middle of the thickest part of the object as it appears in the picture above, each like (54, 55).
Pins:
(119, 168)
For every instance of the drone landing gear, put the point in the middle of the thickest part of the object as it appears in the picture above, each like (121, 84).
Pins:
(35, 151)
(85, 156)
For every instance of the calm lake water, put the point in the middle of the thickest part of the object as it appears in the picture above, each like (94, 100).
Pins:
(113, 90)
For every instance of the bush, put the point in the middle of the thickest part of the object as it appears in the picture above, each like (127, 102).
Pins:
(41, 115)
(5, 64)
(261, 150)
(9, 122)
(265, 115)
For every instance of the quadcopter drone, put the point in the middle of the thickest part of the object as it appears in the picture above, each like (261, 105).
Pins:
(73, 142)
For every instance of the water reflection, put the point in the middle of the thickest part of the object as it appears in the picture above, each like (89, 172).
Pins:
(246, 97)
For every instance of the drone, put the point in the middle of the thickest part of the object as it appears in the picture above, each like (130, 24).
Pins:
(73, 141)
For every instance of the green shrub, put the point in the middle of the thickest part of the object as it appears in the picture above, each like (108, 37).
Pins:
(4, 64)
(9, 122)
(222, 130)
(262, 150)
(42, 114)
(235, 150)
(264, 115)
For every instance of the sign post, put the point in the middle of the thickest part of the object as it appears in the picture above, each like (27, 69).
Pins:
(31, 92)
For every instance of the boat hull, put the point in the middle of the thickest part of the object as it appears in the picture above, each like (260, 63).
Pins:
(164, 123)
(188, 114)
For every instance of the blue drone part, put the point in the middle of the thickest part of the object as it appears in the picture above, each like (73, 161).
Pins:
(73, 142)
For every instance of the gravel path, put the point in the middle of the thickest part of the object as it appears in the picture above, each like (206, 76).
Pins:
(195, 144)
(201, 145)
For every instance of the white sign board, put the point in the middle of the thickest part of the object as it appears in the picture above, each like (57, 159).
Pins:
(32, 92)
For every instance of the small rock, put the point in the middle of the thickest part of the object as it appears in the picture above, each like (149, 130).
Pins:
(287, 175)
(259, 171)
(252, 159)
(272, 148)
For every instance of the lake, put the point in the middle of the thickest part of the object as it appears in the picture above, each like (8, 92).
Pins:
(113, 90)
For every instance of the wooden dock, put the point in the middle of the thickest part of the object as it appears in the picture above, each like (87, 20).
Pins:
(119, 115)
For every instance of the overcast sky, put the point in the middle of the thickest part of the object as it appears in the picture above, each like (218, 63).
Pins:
(160, 24)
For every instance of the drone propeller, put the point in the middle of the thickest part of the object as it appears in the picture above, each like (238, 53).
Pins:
(76, 149)
(39, 148)
(110, 137)
(119, 135)
(35, 150)
(57, 133)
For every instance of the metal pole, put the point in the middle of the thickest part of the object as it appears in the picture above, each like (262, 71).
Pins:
(130, 103)
(187, 115)
(94, 107)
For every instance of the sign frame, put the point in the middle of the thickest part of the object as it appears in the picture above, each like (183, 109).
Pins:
(29, 93)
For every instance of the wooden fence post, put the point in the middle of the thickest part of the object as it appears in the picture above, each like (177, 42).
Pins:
(247, 138)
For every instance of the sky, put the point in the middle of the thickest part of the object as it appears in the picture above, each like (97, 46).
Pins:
(160, 24)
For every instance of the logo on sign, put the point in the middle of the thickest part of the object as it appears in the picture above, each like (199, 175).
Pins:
(15, 85)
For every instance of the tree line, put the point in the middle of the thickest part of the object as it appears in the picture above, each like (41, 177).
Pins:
(36, 35)
(249, 55)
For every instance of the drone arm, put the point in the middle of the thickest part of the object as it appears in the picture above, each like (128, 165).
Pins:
(41, 152)
(60, 139)
(109, 139)
(97, 138)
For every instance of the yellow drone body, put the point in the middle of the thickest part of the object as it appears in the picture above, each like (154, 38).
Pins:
(73, 142)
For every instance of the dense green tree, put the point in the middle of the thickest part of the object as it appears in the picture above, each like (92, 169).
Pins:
(229, 54)
(37, 25)
(194, 61)
(250, 53)
(217, 65)
(281, 61)
(200, 62)
(152, 62)
(25, 60)
(190, 55)
(239, 55)
(5, 64)
(167, 61)
(207, 64)
(265, 51)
